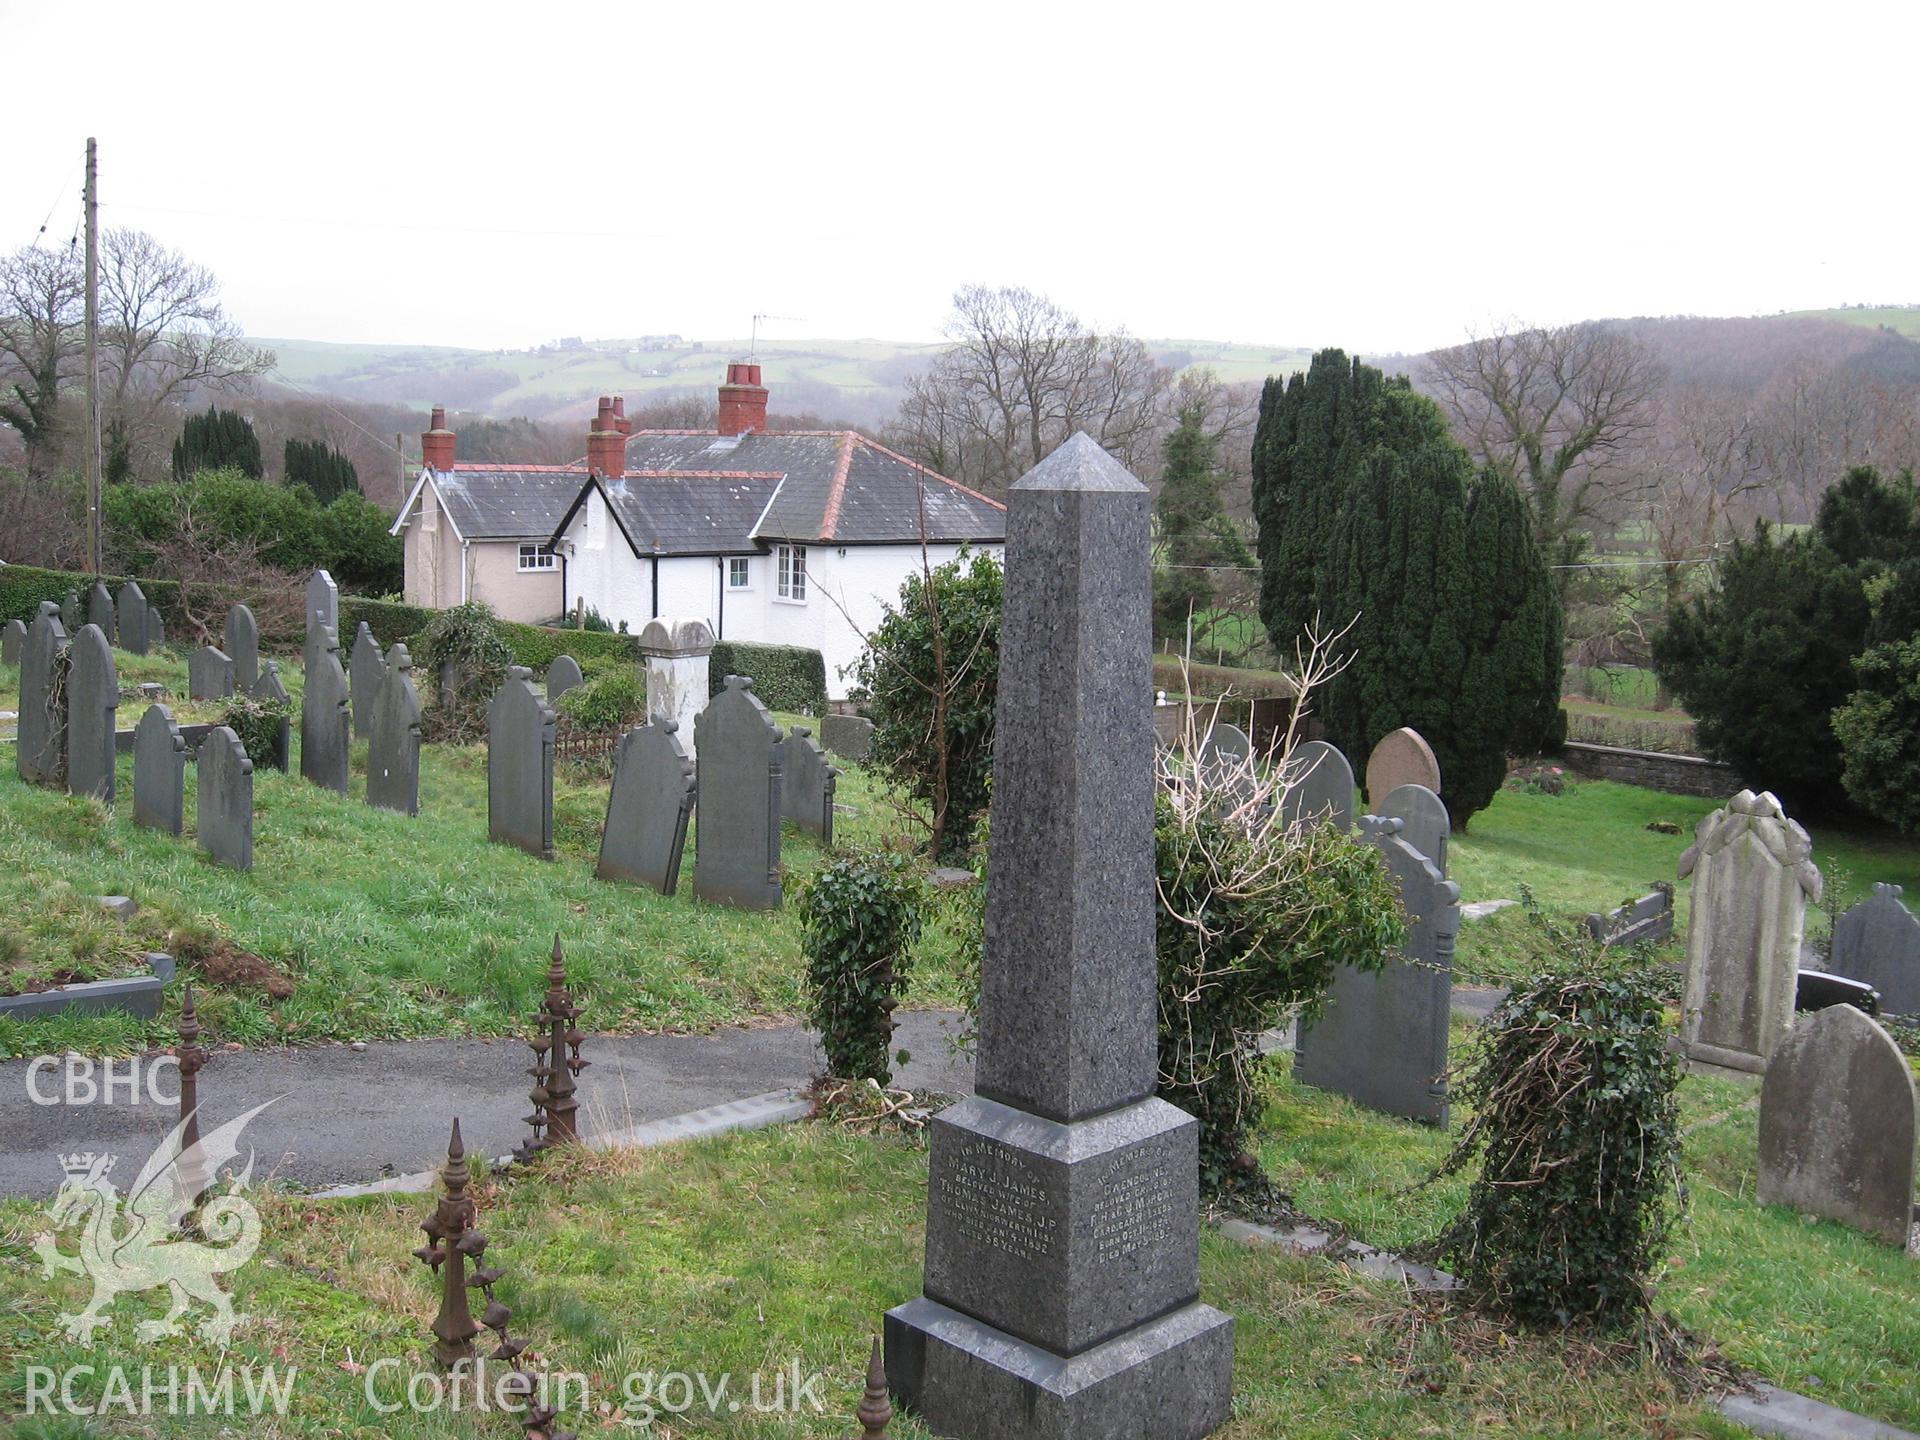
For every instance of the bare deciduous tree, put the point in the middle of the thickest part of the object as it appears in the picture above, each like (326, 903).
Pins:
(1558, 408)
(163, 335)
(1021, 376)
(41, 299)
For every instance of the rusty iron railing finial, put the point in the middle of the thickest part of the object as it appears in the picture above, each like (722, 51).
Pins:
(193, 1161)
(556, 1064)
(876, 1410)
(451, 1242)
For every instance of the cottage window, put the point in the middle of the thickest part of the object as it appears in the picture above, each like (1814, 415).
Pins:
(739, 575)
(793, 572)
(532, 557)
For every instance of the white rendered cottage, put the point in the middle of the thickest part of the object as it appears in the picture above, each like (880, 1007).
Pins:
(794, 538)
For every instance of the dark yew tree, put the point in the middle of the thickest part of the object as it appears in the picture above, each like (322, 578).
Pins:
(1372, 517)
(1198, 540)
(217, 440)
(321, 468)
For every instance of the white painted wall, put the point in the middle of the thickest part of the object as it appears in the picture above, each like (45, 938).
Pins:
(604, 571)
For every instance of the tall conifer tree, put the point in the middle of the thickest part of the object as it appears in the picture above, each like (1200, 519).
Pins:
(1371, 515)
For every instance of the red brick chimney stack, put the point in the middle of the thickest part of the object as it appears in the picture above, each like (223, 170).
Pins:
(607, 441)
(436, 443)
(620, 421)
(743, 401)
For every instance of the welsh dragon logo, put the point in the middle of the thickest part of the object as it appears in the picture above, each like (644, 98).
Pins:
(137, 1243)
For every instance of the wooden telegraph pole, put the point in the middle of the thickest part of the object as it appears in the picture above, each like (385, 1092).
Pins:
(93, 361)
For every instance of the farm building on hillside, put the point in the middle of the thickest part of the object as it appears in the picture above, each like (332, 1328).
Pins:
(795, 538)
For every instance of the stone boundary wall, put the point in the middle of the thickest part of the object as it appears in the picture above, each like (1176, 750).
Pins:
(1670, 774)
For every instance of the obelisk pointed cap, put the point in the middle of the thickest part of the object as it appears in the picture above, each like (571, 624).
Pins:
(1080, 465)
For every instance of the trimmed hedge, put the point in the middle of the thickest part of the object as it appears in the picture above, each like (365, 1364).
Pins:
(389, 620)
(23, 587)
(538, 646)
(785, 677)
(1212, 681)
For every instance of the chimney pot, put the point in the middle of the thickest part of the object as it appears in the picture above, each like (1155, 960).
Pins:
(743, 401)
(607, 442)
(437, 443)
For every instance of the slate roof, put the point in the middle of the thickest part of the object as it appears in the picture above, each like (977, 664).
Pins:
(503, 502)
(700, 493)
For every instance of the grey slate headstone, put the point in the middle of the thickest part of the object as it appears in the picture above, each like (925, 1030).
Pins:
(326, 749)
(520, 728)
(11, 639)
(159, 772)
(132, 609)
(562, 675)
(72, 613)
(736, 858)
(269, 686)
(40, 744)
(393, 754)
(1382, 1038)
(323, 613)
(848, 736)
(242, 637)
(156, 631)
(807, 784)
(1647, 920)
(1878, 941)
(1319, 786)
(100, 610)
(648, 808)
(1837, 1125)
(1062, 1239)
(93, 694)
(1225, 763)
(209, 674)
(224, 793)
(1427, 822)
(368, 667)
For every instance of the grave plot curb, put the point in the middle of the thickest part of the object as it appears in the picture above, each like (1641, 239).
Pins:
(756, 1112)
(1767, 1410)
(138, 995)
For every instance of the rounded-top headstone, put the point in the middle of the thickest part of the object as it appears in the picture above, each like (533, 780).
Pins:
(1427, 823)
(1402, 757)
(1837, 1125)
(562, 675)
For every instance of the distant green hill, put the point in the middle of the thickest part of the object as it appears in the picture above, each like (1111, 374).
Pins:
(862, 378)
(1904, 319)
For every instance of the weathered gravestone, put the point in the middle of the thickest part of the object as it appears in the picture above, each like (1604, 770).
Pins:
(807, 783)
(270, 687)
(1319, 787)
(323, 614)
(1226, 764)
(1878, 942)
(132, 607)
(100, 610)
(242, 638)
(1837, 1125)
(72, 614)
(520, 765)
(848, 736)
(736, 858)
(1402, 757)
(648, 808)
(326, 742)
(209, 674)
(676, 655)
(223, 823)
(40, 743)
(1647, 920)
(1753, 874)
(368, 667)
(393, 754)
(1382, 1039)
(1062, 1240)
(93, 694)
(1427, 822)
(159, 772)
(156, 631)
(11, 639)
(562, 675)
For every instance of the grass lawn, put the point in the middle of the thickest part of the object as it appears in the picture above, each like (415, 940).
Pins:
(392, 927)
(741, 1255)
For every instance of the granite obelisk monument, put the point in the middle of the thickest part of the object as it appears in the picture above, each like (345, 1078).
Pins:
(1062, 1287)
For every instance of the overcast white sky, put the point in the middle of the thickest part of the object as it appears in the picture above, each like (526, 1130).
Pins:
(1377, 176)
